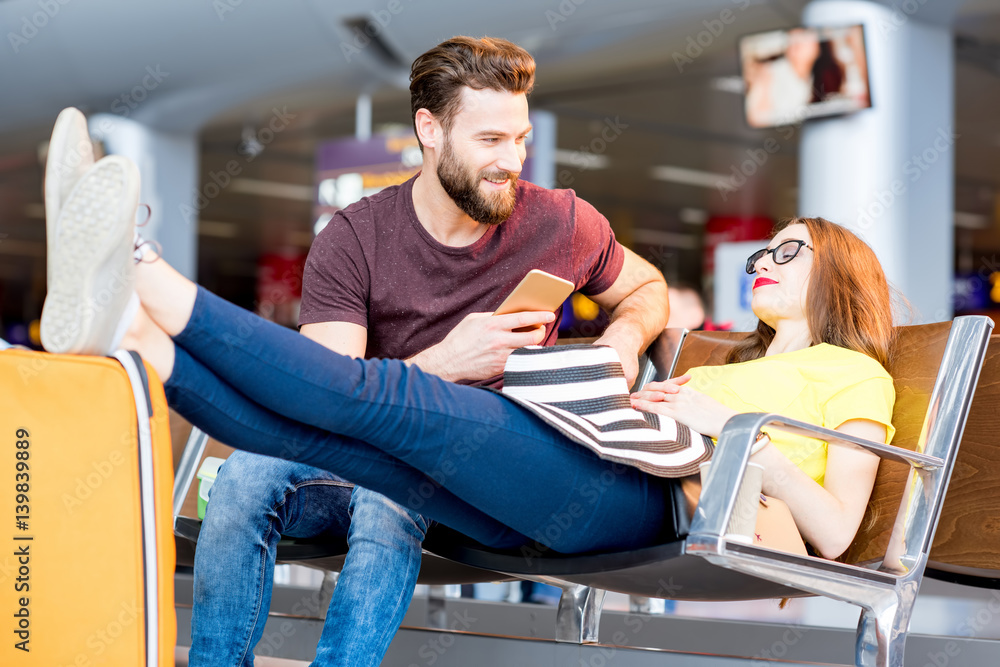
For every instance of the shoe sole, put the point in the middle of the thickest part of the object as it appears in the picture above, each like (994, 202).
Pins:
(70, 154)
(91, 260)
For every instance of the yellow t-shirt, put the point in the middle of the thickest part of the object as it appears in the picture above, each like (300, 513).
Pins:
(824, 385)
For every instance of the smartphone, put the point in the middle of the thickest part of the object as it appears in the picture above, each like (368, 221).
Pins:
(538, 291)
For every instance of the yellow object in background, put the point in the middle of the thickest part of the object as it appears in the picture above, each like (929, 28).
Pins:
(584, 308)
(35, 333)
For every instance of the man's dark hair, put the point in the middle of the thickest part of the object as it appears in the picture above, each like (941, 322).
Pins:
(437, 77)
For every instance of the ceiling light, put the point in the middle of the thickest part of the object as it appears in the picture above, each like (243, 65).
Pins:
(965, 220)
(321, 223)
(729, 84)
(704, 179)
(249, 145)
(581, 159)
(221, 230)
(251, 186)
(693, 216)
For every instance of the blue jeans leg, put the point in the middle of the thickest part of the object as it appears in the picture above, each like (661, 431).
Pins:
(253, 501)
(376, 585)
(229, 416)
(480, 447)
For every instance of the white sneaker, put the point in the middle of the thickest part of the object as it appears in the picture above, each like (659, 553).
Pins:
(70, 155)
(91, 299)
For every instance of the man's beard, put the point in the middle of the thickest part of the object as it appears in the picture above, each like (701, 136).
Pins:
(464, 189)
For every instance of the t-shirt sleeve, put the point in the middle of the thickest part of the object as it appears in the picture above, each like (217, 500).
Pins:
(871, 398)
(336, 279)
(597, 255)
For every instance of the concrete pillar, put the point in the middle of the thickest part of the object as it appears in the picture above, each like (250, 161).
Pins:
(543, 151)
(168, 164)
(888, 172)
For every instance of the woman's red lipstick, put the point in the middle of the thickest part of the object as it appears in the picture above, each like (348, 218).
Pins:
(763, 281)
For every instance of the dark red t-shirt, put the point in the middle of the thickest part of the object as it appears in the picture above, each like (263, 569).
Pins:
(375, 265)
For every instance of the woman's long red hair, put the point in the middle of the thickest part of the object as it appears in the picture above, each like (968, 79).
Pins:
(849, 302)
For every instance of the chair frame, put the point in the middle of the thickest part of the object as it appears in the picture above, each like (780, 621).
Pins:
(885, 591)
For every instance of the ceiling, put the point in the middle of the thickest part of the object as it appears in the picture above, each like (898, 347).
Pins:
(224, 65)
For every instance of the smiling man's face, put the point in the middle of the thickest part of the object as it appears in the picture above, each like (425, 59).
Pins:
(482, 155)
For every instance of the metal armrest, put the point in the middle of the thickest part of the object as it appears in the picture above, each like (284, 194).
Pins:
(885, 451)
(718, 496)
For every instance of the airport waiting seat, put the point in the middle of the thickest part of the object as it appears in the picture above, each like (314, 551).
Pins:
(936, 370)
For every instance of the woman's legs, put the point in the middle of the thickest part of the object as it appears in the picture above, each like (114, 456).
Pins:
(484, 449)
(149, 340)
(225, 414)
(496, 457)
(165, 293)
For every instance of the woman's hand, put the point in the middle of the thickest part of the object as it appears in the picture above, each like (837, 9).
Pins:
(687, 406)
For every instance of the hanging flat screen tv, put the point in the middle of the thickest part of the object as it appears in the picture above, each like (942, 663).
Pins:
(792, 75)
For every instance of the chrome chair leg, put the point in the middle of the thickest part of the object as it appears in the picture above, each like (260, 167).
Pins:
(326, 591)
(578, 617)
(881, 639)
(638, 604)
(437, 612)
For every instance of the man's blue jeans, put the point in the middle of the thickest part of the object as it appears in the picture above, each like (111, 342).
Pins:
(466, 457)
(254, 501)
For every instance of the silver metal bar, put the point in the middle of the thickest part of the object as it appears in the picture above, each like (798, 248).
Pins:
(147, 495)
(661, 356)
(837, 438)
(326, 590)
(578, 618)
(188, 467)
(718, 494)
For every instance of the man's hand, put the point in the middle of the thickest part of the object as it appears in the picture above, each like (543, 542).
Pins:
(688, 406)
(637, 301)
(627, 350)
(478, 347)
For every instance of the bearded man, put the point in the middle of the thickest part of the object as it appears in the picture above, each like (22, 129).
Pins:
(414, 272)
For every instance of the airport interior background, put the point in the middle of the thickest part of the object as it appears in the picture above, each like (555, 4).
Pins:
(645, 100)
(640, 105)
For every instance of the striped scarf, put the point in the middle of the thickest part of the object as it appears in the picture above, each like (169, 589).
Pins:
(581, 391)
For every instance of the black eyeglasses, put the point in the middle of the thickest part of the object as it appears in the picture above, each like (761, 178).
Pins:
(782, 253)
